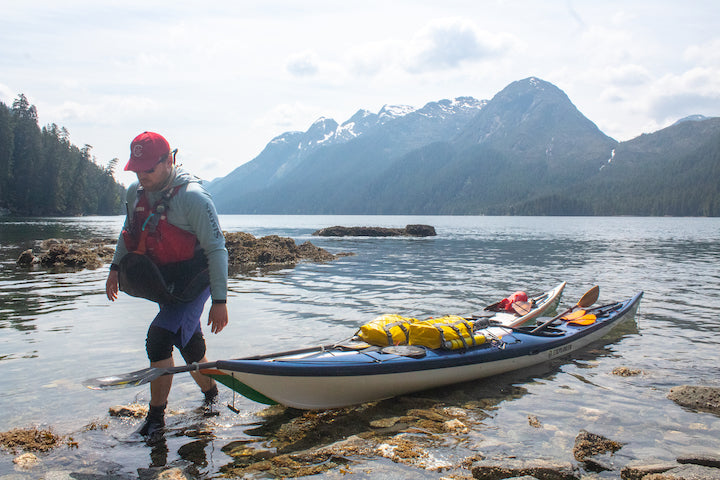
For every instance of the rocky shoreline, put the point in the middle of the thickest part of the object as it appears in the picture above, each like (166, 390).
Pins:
(245, 252)
(404, 430)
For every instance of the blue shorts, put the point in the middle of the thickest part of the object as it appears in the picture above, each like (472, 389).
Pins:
(181, 322)
(159, 345)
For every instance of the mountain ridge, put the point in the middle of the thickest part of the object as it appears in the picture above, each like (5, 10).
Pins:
(284, 153)
(528, 150)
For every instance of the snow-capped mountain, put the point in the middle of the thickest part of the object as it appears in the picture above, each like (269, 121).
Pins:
(527, 151)
(393, 131)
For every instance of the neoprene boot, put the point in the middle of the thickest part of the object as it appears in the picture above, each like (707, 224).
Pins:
(211, 395)
(154, 422)
(211, 398)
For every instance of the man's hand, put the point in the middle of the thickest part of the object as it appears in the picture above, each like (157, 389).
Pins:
(218, 317)
(111, 285)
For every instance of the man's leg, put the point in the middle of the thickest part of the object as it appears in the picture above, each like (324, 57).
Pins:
(159, 346)
(194, 352)
(160, 387)
(204, 382)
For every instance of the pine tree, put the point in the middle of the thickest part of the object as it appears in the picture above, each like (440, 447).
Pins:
(27, 155)
(6, 152)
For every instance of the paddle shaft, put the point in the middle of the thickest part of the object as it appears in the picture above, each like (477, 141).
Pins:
(145, 376)
(191, 367)
(545, 324)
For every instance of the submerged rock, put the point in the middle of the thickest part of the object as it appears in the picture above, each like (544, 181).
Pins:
(408, 231)
(455, 426)
(705, 399)
(626, 372)
(297, 443)
(686, 467)
(704, 460)
(687, 472)
(134, 410)
(534, 422)
(26, 461)
(638, 469)
(29, 440)
(589, 444)
(512, 468)
(152, 473)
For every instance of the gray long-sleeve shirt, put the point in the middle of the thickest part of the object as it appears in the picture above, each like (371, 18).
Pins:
(193, 210)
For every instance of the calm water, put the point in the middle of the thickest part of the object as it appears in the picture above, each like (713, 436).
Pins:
(57, 328)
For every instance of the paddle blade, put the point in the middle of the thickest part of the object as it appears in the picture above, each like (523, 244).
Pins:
(583, 321)
(590, 297)
(522, 308)
(124, 380)
(573, 315)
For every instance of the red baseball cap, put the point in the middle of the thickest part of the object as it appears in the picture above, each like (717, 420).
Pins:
(146, 150)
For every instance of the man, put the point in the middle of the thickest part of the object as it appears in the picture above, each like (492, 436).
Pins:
(172, 251)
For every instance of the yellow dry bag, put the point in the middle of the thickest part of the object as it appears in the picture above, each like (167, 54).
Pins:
(450, 332)
(386, 330)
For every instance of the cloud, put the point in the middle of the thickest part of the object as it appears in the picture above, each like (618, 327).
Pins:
(696, 91)
(441, 45)
(6, 94)
(705, 54)
(609, 45)
(105, 110)
(287, 116)
(634, 101)
(628, 75)
(373, 57)
(303, 64)
(447, 43)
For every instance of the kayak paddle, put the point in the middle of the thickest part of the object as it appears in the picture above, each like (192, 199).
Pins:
(141, 377)
(147, 375)
(585, 301)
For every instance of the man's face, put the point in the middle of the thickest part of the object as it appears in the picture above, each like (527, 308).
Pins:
(155, 178)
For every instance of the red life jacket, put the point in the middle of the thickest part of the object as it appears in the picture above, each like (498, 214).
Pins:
(507, 303)
(150, 233)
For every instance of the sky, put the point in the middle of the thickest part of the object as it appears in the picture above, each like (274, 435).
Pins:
(221, 79)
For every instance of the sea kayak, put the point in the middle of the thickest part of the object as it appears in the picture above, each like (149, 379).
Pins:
(508, 311)
(353, 372)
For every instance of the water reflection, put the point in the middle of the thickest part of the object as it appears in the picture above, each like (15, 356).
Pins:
(28, 295)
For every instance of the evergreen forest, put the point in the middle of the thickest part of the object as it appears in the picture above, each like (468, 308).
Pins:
(43, 174)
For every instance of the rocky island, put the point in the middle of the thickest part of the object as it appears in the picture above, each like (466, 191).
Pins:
(408, 231)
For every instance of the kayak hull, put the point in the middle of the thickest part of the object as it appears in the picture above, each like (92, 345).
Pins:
(330, 377)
